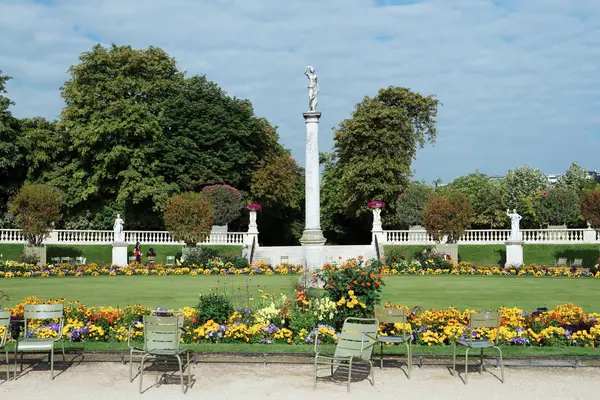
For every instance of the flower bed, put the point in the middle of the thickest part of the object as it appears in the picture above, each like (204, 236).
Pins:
(275, 321)
(12, 269)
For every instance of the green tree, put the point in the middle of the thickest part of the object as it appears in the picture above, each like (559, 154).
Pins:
(212, 138)
(521, 187)
(42, 147)
(12, 172)
(576, 178)
(37, 207)
(278, 185)
(189, 218)
(558, 206)
(373, 149)
(448, 214)
(486, 198)
(112, 119)
(410, 204)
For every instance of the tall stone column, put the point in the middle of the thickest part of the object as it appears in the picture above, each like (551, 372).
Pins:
(312, 239)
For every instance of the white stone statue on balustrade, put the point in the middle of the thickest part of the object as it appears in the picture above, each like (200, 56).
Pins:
(118, 228)
(377, 219)
(515, 235)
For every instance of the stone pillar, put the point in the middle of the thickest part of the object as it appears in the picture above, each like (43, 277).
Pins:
(252, 230)
(119, 254)
(589, 235)
(312, 239)
(514, 253)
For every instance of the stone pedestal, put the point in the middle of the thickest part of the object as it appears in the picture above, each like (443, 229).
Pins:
(119, 254)
(312, 239)
(448, 248)
(39, 252)
(252, 235)
(514, 253)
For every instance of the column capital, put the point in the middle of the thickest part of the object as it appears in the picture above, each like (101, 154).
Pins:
(312, 115)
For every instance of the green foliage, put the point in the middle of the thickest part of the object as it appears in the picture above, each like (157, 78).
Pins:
(410, 204)
(521, 183)
(214, 307)
(189, 218)
(226, 203)
(558, 206)
(375, 147)
(12, 172)
(576, 178)
(37, 207)
(590, 207)
(487, 197)
(394, 254)
(302, 319)
(431, 258)
(448, 214)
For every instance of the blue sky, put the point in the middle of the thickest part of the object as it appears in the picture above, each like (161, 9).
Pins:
(519, 79)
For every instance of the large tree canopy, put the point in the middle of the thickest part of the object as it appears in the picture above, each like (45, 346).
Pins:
(374, 149)
(487, 198)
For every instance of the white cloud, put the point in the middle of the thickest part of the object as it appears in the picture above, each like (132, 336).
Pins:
(519, 80)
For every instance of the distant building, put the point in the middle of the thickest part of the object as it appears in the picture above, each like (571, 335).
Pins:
(552, 178)
(595, 175)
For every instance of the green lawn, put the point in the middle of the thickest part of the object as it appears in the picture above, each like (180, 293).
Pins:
(477, 292)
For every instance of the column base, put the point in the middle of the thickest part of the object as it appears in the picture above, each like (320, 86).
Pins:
(514, 253)
(313, 242)
(119, 254)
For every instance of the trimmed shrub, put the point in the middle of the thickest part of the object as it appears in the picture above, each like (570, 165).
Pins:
(590, 207)
(226, 203)
(189, 218)
(557, 206)
(448, 215)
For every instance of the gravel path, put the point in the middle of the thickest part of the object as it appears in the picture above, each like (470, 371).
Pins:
(102, 381)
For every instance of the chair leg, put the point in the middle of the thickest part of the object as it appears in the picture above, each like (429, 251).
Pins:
(466, 365)
(349, 373)
(372, 373)
(180, 372)
(130, 365)
(189, 369)
(315, 370)
(501, 363)
(62, 345)
(481, 363)
(453, 358)
(409, 353)
(7, 365)
(381, 357)
(52, 363)
(142, 371)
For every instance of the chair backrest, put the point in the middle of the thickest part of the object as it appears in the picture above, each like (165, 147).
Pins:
(170, 260)
(485, 320)
(79, 260)
(389, 315)
(161, 333)
(4, 324)
(151, 259)
(131, 259)
(578, 262)
(55, 260)
(561, 261)
(45, 311)
(358, 337)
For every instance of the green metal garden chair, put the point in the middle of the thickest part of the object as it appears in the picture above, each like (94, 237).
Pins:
(394, 316)
(161, 340)
(5, 325)
(479, 320)
(135, 349)
(355, 343)
(48, 312)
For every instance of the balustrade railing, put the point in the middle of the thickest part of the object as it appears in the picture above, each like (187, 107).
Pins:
(71, 236)
(498, 236)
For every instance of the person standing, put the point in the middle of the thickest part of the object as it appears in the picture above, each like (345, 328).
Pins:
(138, 253)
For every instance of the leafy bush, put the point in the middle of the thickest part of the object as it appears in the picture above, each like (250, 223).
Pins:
(214, 307)
(431, 258)
(36, 208)
(302, 319)
(448, 215)
(226, 203)
(557, 206)
(590, 207)
(189, 218)
(355, 287)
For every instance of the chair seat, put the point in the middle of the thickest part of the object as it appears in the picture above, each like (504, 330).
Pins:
(476, 344)
(391, 339)
(35, 345)
(169, 352)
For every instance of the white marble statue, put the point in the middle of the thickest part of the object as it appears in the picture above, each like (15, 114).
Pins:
(514, 224)
(118, 228)
(377, 219)
(313, 88)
